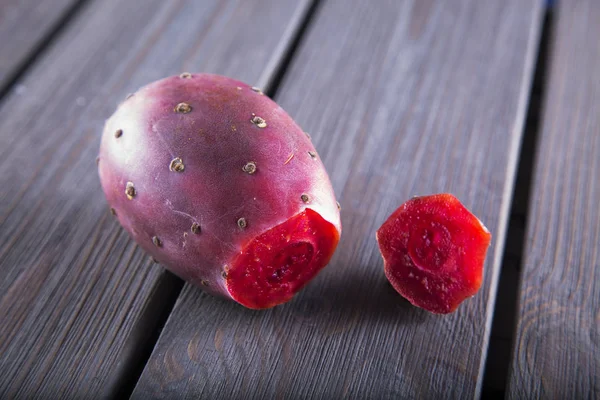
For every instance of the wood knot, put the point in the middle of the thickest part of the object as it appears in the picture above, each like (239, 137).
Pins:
(258, 121)
(249, 168)
(176, 165)
(183, 108)
(130, 190)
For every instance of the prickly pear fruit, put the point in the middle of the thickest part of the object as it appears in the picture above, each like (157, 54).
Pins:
(219, 184)
(434, 250)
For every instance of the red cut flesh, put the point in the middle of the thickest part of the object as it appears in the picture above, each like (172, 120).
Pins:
(278, 263)
(434, 250)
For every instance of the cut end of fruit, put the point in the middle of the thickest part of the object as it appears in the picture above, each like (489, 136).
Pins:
(434, 250)
(277, 264)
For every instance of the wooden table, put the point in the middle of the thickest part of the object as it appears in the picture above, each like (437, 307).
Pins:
(497, 102)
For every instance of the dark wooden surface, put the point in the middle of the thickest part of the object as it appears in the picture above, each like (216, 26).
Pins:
(24, 26)
(401, 98)
(405, 98)
(556, 351)
(79, 300)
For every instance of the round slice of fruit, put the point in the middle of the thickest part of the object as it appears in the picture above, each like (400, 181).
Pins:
(434, 251)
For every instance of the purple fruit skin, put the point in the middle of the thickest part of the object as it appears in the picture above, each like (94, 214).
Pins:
(215, 140)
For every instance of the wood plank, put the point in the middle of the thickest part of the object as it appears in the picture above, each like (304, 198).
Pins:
(556, 351)
(410, 97)
(79, 301)
(24, 26)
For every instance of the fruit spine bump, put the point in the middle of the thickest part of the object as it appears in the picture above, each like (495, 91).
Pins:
(207, 175)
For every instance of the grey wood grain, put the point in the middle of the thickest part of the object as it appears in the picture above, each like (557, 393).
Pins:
(79, 300)
(24, 26)
(401, 98)
(556, 350)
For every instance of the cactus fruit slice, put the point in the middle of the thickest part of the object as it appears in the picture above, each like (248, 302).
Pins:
(434, 250)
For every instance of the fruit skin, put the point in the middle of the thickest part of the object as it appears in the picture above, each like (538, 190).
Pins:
(434, 250)
(195, 166)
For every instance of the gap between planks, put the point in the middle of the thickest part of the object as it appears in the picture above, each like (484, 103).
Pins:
(505, 310)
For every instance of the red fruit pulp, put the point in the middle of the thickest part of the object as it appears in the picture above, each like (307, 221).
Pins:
(434, 251)
(278, 263)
